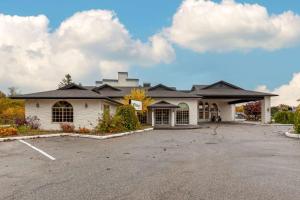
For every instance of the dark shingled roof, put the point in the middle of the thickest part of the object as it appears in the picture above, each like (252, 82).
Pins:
(219, 89)
(67, 92)
(223, 89)
(163, 104)
(158, 91)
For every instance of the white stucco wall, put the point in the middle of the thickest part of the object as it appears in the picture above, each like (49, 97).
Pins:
(83, 117)
(226, 111)
(193, 107)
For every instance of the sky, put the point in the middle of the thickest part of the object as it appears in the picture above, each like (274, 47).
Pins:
(251, 43)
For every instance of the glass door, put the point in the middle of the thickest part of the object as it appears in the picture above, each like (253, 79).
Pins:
(162, 116)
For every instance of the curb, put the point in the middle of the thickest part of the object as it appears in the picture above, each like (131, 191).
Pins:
(261, 124)
(292, 135)
(98, 137)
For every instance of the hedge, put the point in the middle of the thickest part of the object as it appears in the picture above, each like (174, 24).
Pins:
(284, 117)
(297, 121)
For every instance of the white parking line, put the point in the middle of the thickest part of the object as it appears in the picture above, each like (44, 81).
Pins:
(33, 147)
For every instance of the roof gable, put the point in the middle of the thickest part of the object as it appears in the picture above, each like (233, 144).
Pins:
(105, 87)
(222, 85)
(163, 104)
(72, 86)
(161, 87)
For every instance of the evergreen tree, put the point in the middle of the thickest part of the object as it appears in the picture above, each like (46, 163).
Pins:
(67, 80)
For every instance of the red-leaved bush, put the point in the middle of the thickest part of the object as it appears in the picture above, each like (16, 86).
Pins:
(67, 127)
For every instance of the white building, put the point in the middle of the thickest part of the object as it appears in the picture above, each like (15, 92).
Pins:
(84, 105)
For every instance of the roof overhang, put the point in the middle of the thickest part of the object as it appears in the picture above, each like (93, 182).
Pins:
(163, 104)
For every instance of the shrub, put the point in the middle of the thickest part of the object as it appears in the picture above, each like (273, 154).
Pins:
(23, 129)
(9, 115)
(297, 121)
(10, 131)
(84, 130)
(20, 122)
(33, 122)
(128, 117)
(67, 127)
(284, 117)
(109, 124)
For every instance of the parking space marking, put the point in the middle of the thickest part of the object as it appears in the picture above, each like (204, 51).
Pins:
(39, 150)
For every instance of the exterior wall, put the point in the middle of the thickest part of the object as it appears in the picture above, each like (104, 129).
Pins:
(226, 111)
(83, 117)
(193, 107)
(266, 110)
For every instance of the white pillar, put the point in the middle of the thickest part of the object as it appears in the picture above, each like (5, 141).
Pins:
(172, 117)
(266, 110)
(152, 117)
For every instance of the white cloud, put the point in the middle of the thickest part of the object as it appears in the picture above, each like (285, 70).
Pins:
(203, 26)
(88, 43)
(288, 93)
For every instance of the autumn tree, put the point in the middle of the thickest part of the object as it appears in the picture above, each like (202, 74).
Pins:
(67, 80)
(239, 109)
(253, 110)
(139, 95)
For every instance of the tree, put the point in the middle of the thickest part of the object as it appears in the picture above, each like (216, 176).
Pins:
(239, 109)
(67, 80)
(12, 91)
(2, 94)
(139, 95)
(283, 107)
(253, 110)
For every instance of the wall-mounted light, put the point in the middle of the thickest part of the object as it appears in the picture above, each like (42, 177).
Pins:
(86, 105)
(37, 105)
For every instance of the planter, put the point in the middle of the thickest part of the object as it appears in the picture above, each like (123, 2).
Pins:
(291, 134)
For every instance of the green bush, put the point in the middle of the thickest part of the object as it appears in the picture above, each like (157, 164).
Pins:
(125, 119)
(284, 117)
(128, 117)
(109, 124)
(297, 121)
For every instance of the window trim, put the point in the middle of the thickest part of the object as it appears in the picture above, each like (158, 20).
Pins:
(64, 114)
(183, 114)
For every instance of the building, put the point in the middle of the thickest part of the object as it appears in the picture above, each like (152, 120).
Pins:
(84, 105)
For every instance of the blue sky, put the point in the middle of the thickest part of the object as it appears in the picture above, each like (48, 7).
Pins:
(143, 19)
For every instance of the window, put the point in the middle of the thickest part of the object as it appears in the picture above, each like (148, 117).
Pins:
(162, 116)
(206, 109)
(182, 114)
(62, 111)
(201, 109)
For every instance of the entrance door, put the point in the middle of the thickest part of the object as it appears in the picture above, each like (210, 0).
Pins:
(162, 117)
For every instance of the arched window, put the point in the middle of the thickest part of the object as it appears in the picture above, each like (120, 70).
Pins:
(201, 110)
(206, 110)
(62, 111)
(182, 114)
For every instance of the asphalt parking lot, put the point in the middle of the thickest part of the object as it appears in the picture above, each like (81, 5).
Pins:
(221, 162)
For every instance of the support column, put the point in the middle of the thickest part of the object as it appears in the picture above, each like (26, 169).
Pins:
(152, 117)
(266, 110)
(172, 117)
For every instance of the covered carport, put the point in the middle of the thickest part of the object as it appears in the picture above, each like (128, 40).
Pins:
(230, 95)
